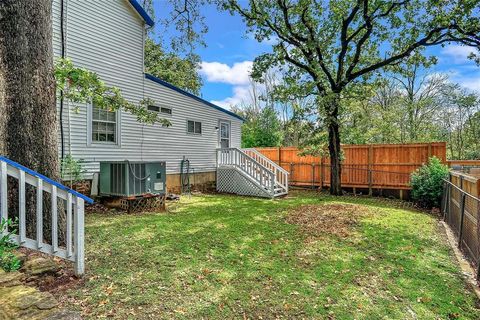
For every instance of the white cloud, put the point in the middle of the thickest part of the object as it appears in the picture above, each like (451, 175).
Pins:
(238, 74)
(472, 83)
(241, 94)
(458, 54)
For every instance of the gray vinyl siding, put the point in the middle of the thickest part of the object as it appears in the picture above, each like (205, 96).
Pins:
(107, 37)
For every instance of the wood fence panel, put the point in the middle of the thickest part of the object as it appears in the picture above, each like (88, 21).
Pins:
(469, 230)
(377, 165)
(271, 153)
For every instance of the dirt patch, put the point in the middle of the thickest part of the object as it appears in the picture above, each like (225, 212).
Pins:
(96, 207)
(58, 281)
(334, 219)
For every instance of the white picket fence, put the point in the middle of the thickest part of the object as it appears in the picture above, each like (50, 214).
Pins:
(73, 205)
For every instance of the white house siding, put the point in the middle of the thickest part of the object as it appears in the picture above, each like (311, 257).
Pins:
(171, 143)
(107, 37)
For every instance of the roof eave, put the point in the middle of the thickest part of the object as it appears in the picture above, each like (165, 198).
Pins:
(141, 11)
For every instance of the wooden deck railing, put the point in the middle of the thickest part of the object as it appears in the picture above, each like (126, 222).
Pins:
(73, 204)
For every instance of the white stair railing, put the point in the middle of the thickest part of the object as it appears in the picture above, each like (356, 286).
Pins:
(236, 158)
(281, 175)
(73, 204)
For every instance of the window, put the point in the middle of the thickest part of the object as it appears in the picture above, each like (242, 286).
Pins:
(153, 108)
(164, 110)
(194, 127)
(104, 125)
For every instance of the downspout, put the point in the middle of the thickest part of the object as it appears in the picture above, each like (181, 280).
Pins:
(62, 54)
(143, 87)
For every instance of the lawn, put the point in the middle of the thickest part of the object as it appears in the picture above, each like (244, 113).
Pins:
(229, 257)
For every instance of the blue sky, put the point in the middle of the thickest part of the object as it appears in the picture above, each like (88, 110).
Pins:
(229, 54)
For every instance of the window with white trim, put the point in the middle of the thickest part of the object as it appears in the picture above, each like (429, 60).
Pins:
(104, 125)
(194, 127)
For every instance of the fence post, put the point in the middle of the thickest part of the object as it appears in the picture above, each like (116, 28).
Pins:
(79, 237)
(446, 200)
(462, 216)
(370, 155)
(22, 208)
(291, 171)
(40, 213)
(3, 193)
(313, 175)
(321, 173)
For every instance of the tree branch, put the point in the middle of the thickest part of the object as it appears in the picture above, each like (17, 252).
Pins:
(318, 51)
(422, 42)
(344, 40)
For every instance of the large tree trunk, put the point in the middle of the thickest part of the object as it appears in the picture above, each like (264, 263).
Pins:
(334, 145)
(28, 116)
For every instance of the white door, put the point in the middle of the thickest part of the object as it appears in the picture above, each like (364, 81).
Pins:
(224, 134)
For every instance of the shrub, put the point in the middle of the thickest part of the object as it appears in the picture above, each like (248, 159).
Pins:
(72, 169)
(427, 183)
(8, 260)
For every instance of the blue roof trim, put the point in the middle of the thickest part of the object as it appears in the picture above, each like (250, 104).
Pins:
(148, 20)
(41, 176)
(188, 94)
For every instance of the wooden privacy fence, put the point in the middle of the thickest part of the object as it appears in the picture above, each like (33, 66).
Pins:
(70, 201)
(461, 209)
(374, 166)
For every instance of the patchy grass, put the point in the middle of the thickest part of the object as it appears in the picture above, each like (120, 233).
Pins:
(228, 257)
(328, 219)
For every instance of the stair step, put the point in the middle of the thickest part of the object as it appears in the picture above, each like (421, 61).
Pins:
(257, 168)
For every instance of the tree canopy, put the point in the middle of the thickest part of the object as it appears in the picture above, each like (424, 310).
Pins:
(174, 59)
(329, 46)
(168, 66)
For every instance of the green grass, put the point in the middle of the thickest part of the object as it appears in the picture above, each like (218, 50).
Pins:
(228, 257)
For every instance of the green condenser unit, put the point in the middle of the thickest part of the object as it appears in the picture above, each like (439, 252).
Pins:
(132, 178)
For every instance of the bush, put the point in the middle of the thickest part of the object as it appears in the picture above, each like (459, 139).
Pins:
(427, 183)
(8, 260)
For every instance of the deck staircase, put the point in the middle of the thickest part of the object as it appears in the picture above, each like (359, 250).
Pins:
(248, 172)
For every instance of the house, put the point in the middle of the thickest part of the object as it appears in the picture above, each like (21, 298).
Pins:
(108, 37)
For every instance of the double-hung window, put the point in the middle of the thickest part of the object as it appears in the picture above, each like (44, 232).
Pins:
(194, 127)
(104, 125)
